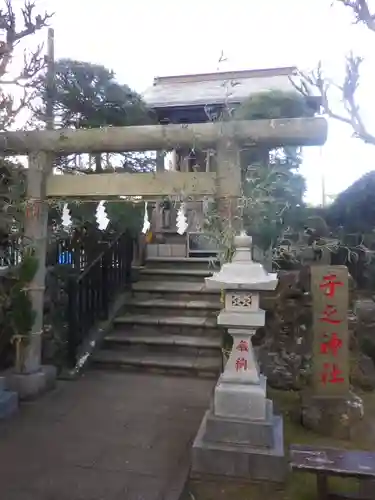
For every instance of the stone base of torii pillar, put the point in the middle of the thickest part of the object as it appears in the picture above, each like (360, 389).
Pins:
(240, 437)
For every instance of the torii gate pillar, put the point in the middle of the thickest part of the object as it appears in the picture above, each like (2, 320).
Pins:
(30, 378)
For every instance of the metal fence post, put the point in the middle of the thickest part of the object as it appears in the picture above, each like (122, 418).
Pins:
(73, 323)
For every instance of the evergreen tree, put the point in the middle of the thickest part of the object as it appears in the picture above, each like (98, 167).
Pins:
(354, 208)
(273, 189)
(88, 96)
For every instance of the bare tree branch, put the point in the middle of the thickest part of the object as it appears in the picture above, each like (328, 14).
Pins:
(18, 88)
(351, 114)
(361, 11)
(14, 28)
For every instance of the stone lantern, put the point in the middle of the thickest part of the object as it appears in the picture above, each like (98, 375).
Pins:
(241, 427)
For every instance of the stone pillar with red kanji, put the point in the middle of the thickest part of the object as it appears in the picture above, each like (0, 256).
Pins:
(329, 406)
(240, 426)
(329, 288)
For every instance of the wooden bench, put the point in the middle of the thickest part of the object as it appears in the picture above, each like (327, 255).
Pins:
(326, 462)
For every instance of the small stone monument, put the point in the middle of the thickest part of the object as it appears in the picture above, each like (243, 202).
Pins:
(239, 436)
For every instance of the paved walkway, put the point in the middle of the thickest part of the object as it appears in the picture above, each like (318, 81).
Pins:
(107, 436)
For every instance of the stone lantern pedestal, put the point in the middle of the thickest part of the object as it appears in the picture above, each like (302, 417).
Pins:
(240, 437)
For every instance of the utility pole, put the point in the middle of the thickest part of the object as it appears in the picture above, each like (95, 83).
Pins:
(50, 81)
(324, 196)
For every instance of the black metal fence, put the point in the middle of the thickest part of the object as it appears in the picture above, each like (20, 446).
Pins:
(96, 258)
(11, 253)
(76, 249)
(90, 294)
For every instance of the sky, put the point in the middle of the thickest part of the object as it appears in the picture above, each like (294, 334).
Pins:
(146, 38)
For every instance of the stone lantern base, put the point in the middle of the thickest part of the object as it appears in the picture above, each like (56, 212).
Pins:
(241, 400)
(242, 449)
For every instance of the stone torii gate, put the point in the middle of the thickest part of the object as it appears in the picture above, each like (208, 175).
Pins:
(224, 184)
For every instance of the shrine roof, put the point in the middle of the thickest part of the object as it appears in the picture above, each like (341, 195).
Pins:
(216, 88)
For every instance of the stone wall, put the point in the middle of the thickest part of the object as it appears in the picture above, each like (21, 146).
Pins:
(284, 345)
(364, 343)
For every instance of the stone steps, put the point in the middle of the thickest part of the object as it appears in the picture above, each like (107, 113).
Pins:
(172, 290)
(169, 325)
(175, 250)
(179, 262)
(206, 308)
(177, 274)
(189, 365)
(143, 343)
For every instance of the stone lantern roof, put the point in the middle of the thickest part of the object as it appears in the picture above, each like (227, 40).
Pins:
(242, 273)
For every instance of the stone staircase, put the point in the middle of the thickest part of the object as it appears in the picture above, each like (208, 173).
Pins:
(169, 324)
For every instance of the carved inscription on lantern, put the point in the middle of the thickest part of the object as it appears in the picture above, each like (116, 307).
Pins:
(241, 348)
(329, 287)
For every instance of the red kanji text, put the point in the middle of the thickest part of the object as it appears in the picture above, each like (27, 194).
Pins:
(329, 284)
(243, 346)
(241, 364)
(331, 374)
(331, 345)
(327, 314)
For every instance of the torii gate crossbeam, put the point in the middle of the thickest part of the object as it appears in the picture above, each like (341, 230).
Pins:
(283, 132)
